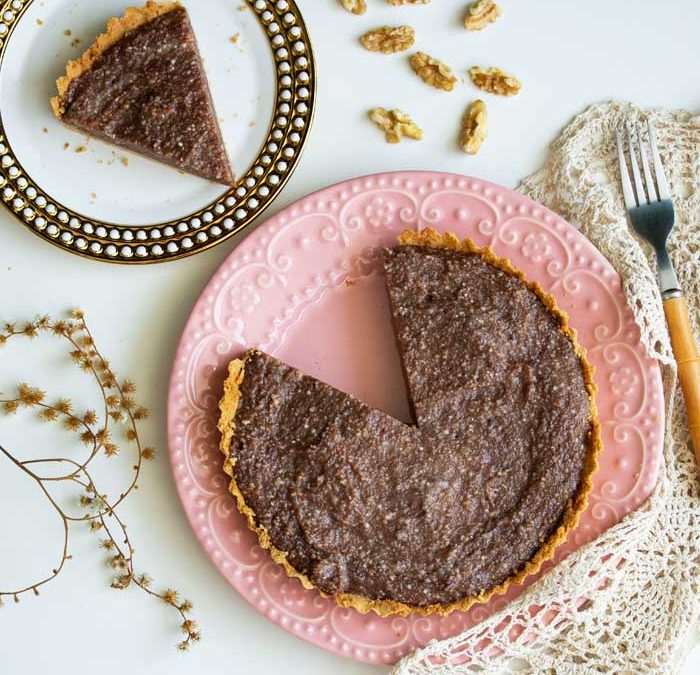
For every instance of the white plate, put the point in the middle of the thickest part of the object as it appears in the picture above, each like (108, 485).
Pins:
(114, 204)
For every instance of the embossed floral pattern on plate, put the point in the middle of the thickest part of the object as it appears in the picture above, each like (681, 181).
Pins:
(305, 286)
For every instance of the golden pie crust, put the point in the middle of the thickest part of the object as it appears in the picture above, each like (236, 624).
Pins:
(117, 28)
(576, 506)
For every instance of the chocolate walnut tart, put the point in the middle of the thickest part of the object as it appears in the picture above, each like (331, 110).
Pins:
(445, 512)
(142, 86)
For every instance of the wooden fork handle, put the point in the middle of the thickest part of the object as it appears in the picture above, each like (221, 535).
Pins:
(688, 360)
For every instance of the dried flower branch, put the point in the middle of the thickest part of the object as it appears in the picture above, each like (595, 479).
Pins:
(97, 433)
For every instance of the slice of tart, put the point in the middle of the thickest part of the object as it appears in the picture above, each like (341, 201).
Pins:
(445, 512)
(142, 86)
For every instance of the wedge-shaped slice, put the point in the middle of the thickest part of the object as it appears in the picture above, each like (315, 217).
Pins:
(141, 85)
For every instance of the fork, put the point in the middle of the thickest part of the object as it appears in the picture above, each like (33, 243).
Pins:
(652, 217)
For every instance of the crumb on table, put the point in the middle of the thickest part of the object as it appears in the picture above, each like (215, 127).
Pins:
(242, 8)
(235, 37)
(93, 195)
(39, 22)
(68, 32)
(80, 148)
(45, 130)
(66, 146)
(251, 123)
(125, 161)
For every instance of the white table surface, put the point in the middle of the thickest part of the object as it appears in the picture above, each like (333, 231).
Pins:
(568, 54)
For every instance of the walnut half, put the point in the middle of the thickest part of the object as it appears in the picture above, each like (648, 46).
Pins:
(355, 6)
(388, 39)
(495, 81)
(433, 71)
(480, 14)
(395, 124)
(474, 127)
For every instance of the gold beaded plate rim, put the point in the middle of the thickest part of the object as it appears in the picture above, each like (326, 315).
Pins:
(255, 190)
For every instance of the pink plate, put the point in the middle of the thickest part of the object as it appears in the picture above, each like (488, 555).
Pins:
(305, 287)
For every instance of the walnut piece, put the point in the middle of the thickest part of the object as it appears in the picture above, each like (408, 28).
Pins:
(433, 72)
(495, 81)
(474, 127)
(355, 6)
(396, 3)
(480, 14)
(395, 124)
(388, 39)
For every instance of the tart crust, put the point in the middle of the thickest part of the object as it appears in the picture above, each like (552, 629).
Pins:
(117, 28)
(574, 509)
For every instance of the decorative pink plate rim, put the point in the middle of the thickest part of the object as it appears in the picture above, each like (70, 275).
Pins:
(307, 255)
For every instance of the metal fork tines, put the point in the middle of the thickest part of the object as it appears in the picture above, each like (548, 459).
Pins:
(648, 203)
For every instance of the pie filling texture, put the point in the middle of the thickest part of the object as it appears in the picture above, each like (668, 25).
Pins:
(142, 86)
(444, 512)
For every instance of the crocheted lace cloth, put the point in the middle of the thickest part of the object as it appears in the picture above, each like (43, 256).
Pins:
(639, 610)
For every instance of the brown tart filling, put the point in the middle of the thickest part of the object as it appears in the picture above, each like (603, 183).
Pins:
(142, 86)
(474, 495)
